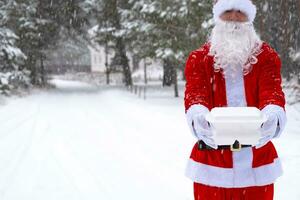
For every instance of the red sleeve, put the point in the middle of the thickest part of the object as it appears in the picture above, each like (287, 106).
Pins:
(270, 90)
(197, 85)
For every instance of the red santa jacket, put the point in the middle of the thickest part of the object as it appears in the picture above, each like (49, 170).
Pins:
(205, 86)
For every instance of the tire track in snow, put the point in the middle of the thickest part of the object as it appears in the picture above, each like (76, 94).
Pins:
(127, 157)
(16, 126)
(18, 108)
(83, 180)
(18, 160)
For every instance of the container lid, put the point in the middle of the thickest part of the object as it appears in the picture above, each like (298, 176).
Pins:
(235, 114)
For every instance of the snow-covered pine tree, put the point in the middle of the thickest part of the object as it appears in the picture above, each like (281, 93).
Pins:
(278, 24)
(199, 24)
(112, 32)
(169, 30)
(140, 24)
(167, 35)
(11, 57)
(39, 25)
(36, 32)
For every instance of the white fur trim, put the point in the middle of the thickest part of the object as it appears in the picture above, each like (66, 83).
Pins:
(228, 178)
(246, 6)
(281, 115)
(235, 87)
(242, 166)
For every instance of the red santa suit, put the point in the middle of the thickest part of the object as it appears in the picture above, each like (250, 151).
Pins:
(251, 172)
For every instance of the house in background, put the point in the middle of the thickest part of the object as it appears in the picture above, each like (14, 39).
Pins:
(97, 54)
(98, 59)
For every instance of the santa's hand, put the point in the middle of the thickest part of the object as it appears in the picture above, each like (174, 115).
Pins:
(199, 126)
(204, 131)
(268, 129)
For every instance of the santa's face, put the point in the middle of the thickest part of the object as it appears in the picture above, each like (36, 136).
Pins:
(234, 15)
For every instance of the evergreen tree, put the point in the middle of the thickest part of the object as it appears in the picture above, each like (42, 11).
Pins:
(39, 25)
(169, 30)
(278, 24)
(10, 55)
(36, 34)
(112, 31)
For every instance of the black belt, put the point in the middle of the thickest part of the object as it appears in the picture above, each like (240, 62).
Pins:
(235, 147)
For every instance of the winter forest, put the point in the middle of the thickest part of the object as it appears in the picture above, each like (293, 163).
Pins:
(68, 131)
(34, 33)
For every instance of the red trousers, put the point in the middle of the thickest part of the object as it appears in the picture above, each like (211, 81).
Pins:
(204, 192)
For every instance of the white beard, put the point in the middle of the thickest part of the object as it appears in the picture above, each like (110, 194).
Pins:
(233, 45)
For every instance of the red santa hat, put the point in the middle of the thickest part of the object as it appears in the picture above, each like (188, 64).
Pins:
(246, 6)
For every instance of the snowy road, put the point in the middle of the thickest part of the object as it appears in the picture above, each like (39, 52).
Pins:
(77, 142)
(80, 142)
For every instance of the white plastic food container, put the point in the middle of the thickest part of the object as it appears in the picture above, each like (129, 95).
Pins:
(236, 123)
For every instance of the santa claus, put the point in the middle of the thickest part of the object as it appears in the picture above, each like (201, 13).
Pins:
(235, 69)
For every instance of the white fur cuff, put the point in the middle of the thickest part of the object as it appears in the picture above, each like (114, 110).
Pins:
(246, 6)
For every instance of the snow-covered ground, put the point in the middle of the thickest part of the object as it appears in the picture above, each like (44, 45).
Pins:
(82, 142)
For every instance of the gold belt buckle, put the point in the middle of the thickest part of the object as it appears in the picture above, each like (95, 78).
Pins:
(236, 146)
